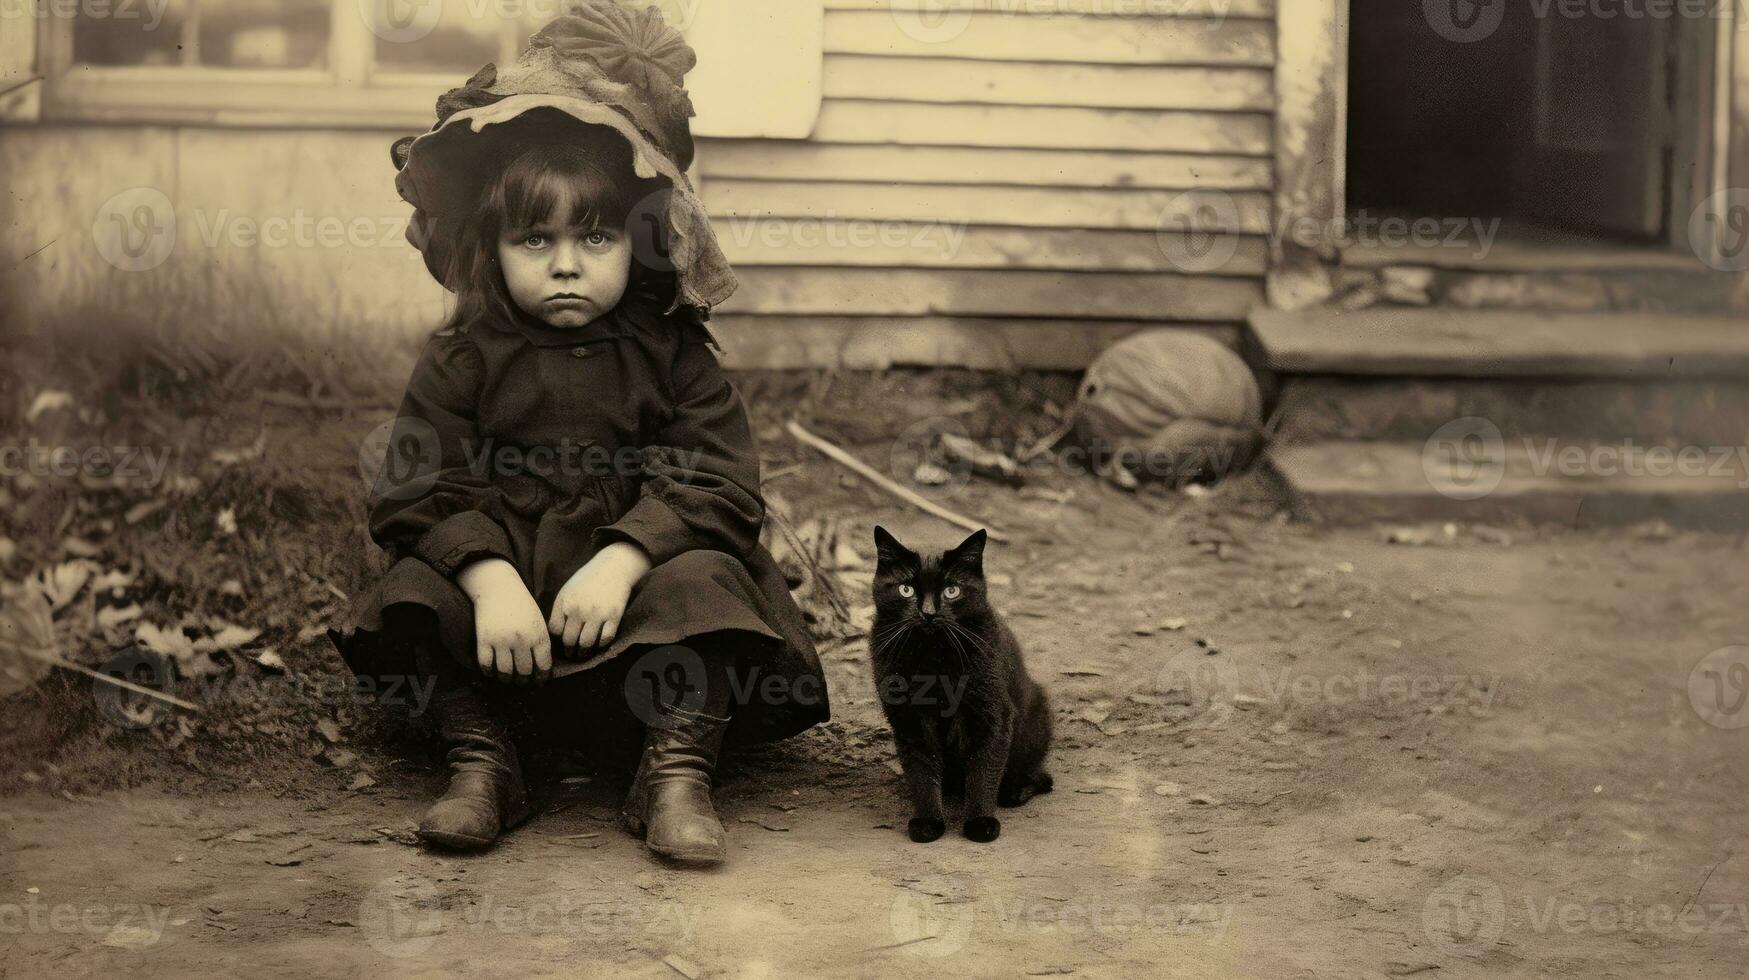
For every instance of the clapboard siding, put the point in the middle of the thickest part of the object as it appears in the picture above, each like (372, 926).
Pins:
(781, 160)
(1201, 9)
(1003, 187)
(992, 293)
(906, 244)
(1040, 207)
(878, 343)
(1043, 127)
(1029, 83)
(1077, 38)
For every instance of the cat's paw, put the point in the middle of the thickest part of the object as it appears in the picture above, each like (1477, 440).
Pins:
(925, 829)
(983, 830)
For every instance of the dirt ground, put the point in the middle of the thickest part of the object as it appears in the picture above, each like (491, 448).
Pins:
(1283, 752)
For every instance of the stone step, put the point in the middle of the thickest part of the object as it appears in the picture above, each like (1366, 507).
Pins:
(1443, 343)
(1703, 412)
(1470, 473)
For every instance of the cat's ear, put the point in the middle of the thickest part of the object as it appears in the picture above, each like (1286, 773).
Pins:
(970, 553)
(889, 549)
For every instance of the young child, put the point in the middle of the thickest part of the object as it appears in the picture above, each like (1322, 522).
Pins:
(571, 492)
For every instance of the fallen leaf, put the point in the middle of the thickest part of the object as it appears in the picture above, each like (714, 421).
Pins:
(330, 730)
(682, 966)
(271, 660)
(114, 616)
(143, 510)
(228, 638)
(48, 401)
(27, 636)
(227, 521)
(62, 583)
(362, 781)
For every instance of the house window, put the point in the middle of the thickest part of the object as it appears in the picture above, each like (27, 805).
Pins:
(366, 63)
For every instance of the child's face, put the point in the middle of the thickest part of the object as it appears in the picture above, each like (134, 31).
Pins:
(564, 274)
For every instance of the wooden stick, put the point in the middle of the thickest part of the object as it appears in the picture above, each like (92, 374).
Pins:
(881, 480)
(107, 679)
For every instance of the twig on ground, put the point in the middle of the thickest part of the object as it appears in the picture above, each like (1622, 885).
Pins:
(881, 480)
(108, 679)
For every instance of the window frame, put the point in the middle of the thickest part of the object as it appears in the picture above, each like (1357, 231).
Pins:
(353, 91)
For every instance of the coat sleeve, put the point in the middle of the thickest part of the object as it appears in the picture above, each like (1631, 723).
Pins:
(429, 502)
(701, 479)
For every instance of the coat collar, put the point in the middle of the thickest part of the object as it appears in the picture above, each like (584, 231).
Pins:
(635, 311)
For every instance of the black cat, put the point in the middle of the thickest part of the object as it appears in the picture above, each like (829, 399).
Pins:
(950, 678)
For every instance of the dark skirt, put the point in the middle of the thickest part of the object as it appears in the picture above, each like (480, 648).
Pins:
(698, 596)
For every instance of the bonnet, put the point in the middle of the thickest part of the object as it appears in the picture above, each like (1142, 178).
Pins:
(603, 64)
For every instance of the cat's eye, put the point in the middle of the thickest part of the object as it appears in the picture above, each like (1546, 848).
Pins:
(951, 592)
(907, 591)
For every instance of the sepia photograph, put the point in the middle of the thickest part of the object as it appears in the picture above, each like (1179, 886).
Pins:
(753, 489)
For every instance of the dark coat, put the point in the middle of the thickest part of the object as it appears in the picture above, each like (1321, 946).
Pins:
(541, 445)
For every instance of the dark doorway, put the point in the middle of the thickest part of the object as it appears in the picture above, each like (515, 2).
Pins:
(1554, 124)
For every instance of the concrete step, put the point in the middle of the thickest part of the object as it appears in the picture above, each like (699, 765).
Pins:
(1470, 473)
(1444, 343)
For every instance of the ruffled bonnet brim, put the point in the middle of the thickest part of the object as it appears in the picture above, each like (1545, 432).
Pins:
(444, 174)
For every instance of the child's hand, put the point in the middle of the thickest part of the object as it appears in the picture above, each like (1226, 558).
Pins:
(510, 640)
(587, 612)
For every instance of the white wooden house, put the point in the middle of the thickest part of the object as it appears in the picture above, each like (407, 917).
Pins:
(995, 183)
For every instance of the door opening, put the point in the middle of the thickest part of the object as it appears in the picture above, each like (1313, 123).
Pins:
(1567, 129)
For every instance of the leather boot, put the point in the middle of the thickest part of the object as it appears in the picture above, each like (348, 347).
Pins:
(670, 801)
(486, 796)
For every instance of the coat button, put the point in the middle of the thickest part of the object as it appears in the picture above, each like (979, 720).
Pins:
(579, 352)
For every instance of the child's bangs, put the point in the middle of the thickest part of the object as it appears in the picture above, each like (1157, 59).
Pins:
(586, 185)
